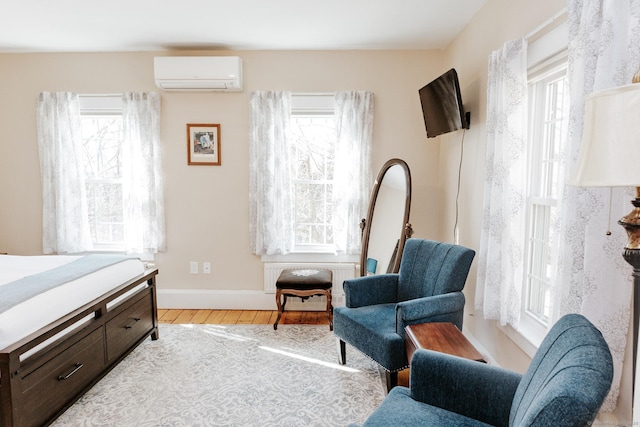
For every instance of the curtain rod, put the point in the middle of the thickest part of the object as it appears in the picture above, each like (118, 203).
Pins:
(561, 14)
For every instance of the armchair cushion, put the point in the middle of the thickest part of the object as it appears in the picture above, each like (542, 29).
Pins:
(372, 330)
(399, 409)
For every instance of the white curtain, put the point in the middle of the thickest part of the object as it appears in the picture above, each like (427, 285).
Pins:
(65, 213)
(593, 278)
(271, 204)
(66, 226)
(501, 254)
(144, 228)
(352, 171)
(271, 214)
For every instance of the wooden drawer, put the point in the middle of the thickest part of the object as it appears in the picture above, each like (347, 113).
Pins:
(51, 386)
(130, 325)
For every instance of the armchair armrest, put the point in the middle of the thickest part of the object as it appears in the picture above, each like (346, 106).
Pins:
(467, 387)
(438, 308)
(370, 290)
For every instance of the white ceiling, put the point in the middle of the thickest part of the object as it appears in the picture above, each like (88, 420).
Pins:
(138, 25)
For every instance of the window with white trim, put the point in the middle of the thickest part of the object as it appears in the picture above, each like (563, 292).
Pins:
(548, 108)
(314, 133)
(102, 136)
(548, 129)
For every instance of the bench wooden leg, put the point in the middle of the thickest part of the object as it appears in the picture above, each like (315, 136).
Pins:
(280, 307)
(329, 309)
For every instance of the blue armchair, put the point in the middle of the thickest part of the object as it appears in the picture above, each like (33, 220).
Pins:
(427, 288)
(565, 385)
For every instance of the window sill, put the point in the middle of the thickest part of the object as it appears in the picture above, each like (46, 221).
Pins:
(528, 336)
(143, 257)
(311, 257)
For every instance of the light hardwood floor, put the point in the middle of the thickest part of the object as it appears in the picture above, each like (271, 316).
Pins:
(231, 317)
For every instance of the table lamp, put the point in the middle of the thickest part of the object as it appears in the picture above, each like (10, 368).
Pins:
(610, 157)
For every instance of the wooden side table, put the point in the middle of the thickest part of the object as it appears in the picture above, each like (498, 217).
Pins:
(442, 337)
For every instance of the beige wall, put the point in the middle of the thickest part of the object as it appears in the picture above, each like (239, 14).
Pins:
(497, 22)
(207, 206)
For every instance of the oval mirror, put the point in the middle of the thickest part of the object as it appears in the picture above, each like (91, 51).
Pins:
(387, 224)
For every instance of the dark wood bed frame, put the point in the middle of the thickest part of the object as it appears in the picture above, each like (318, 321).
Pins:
(35, 391)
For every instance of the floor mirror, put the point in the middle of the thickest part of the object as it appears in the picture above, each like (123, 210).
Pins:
(386, 227)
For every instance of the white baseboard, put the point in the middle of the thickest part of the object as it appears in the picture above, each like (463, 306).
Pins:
(235, 300)
(474, 342)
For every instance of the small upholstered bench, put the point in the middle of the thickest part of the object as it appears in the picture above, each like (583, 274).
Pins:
(304, 283)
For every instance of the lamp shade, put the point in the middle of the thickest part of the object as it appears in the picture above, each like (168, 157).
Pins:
(609, 154)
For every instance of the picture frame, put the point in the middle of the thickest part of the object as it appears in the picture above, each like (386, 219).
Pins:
(203, 144)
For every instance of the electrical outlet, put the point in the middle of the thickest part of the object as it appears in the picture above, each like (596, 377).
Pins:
(206, 267)
(193, 267)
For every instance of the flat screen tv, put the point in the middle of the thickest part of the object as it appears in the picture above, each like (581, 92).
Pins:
(442, 105)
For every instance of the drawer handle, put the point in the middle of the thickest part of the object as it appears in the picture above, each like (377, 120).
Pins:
(76, 368)
(135, 320)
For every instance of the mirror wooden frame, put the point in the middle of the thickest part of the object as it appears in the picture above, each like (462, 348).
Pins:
(367, 222)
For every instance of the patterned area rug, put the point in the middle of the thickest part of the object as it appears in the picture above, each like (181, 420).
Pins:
(233, 375)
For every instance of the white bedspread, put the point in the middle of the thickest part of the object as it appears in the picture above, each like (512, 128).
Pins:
(31, 315)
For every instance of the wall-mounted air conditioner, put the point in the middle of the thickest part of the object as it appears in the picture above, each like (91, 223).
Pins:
(198, 73)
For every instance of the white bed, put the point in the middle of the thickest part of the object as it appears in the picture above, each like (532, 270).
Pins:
(26, 318)
(55, 345)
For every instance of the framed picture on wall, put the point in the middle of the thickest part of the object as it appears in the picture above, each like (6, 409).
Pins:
(203, 144)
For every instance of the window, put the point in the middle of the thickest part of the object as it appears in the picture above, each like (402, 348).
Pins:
(304, 197)
(114, 172)
(548, 131)
(527, 129)
(549, 107)
(549, 110)
(102, 137)
(313, 150)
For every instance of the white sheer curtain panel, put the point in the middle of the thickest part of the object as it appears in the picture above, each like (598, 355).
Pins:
(352, 170)
(593, 278)
(501, 256)
(65, 212)
(271, 212)
(143, 191)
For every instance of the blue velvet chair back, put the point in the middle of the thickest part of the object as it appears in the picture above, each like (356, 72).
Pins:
(431, 268)
(569, 376)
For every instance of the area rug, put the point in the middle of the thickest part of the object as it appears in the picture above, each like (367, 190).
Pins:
(233, 375)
